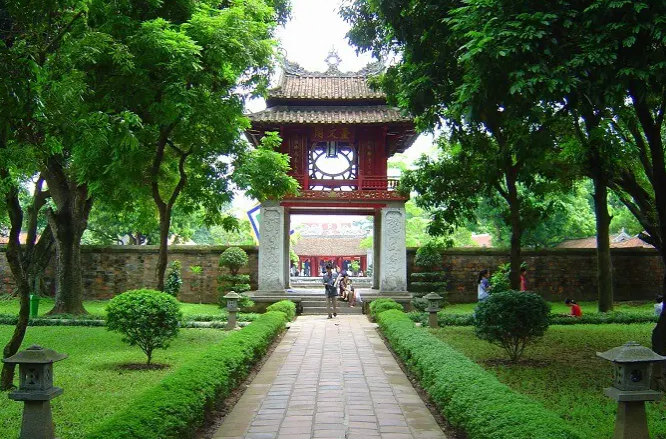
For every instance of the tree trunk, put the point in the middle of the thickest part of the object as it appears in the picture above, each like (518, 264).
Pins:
(162, 260)
(659, 346)
(20, 275)
(67, 222)
(604, 263)
(69, 280)
(516, 229)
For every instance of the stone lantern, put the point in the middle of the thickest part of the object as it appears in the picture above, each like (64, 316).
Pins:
(433, 307)
(632, 367)
(232, 307)
(36, 390)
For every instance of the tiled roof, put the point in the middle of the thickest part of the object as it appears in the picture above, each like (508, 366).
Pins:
(324, 88)
(329, 114)
(329, 246)
(591, 242)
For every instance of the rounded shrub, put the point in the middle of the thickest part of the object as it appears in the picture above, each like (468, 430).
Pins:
(378, 306)
(233, 258)
(286, 306)
(428, 256)
(512, 320)
(146, 318)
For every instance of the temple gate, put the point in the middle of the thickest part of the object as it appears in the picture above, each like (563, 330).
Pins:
(339, 134)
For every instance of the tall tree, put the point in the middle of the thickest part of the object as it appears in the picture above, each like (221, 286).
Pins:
(29, 33)
(505, 141)
(190, 62)
(602, 60)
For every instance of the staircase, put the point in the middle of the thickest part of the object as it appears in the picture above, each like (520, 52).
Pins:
(316, 305)
(315, 282)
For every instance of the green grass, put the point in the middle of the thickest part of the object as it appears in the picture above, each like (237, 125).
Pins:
(561, 308)
(563, 373)
(94, 386)
(97, 307)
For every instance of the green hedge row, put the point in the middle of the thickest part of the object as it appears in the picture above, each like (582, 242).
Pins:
(11, 320)
(175, 407)
(445, 319)
(470, 398)
(286, 306)
(380, 305)
(427, 287)
(190, 322)
(428, 276)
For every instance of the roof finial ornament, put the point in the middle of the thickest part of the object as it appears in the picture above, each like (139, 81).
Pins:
(333, 60)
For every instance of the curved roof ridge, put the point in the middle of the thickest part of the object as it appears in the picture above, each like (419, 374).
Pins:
(291, 68)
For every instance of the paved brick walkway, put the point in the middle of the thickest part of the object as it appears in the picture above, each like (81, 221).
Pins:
(330, 379)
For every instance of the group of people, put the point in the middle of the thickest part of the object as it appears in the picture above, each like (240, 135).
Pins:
(483, 291)
(338, 284)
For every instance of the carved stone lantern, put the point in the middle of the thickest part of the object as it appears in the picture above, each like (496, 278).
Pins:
(433, 307)
(36, 390)
(632, 367)
(232, 307)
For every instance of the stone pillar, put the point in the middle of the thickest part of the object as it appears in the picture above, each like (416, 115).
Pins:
(376, 246)
(271, 276)
(393, 250)
(287, 242)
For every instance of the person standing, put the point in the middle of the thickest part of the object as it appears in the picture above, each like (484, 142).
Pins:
(330, 289)
(523, 279)
(483, 289)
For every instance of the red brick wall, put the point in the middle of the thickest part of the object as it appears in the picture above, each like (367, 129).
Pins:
(108, 271)
(556, 273)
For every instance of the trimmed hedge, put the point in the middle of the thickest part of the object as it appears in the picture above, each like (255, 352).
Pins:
(427, 287)
(427, 276)
(218, 321)
(378, 306)
(445, 319)
(286, 306)
(470, 398)
(175, 407)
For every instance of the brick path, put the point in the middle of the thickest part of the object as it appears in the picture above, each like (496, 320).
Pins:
(330, 379)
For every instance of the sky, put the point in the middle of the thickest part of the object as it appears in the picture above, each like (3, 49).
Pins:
(314, 29)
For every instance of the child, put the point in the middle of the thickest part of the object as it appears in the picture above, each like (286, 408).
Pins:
(349, 290)
(575, 308)
(523, 279)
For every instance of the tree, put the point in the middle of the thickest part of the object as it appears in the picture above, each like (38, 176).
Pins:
(603, 64)
(32, 84)
(502, 144)
(512, 320)
(263, 171)
(189, 62)
(146, 318)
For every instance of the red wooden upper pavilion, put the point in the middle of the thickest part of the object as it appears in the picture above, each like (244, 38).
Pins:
(339, 134)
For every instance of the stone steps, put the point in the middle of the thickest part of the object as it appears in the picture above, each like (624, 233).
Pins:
(343, 308)
(314, 282)
(317, 306)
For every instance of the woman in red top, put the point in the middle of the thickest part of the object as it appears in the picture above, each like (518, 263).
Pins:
(575, 308)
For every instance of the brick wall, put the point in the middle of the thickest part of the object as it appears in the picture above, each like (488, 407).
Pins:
(556, 273)
(108, 271)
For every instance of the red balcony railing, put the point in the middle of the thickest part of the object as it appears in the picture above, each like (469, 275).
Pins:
(363, 183)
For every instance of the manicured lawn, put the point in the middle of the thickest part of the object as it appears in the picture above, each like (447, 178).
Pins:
(564, 374)
(561, 308)
(97, 307)
(94, 385)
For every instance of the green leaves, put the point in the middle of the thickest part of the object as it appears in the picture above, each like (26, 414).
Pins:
(263, 171)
